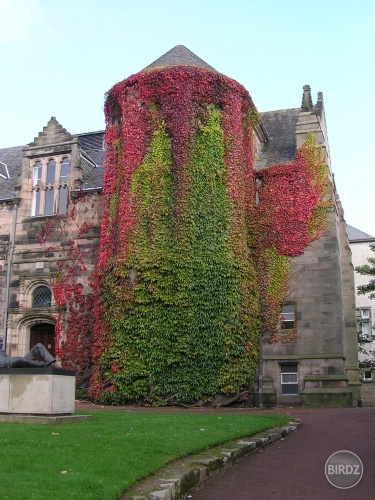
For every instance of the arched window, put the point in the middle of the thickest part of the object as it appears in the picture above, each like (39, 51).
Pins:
(42, 297)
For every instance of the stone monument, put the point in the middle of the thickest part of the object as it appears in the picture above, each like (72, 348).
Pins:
(34, 384)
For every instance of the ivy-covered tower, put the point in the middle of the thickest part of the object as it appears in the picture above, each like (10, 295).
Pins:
(190, 253)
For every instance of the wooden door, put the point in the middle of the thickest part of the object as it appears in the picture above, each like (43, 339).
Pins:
(45, 334)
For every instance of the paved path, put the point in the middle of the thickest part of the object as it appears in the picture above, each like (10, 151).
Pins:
(293, 469)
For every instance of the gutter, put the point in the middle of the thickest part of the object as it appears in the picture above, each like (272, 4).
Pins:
(260, 372)
(362, 240)
(15, 202)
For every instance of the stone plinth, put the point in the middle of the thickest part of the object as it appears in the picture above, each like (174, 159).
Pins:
(43, 391)
(326, 390)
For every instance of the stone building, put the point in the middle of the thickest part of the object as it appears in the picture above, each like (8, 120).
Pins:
(320, 366)
(36, 182)
(360, 246)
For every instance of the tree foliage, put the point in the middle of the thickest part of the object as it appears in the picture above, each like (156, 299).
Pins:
(368, 270)
(369, 288)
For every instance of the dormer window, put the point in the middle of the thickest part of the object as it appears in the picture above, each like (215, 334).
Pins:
(50, 186)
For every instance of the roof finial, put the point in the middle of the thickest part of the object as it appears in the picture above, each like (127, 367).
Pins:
(307, 104)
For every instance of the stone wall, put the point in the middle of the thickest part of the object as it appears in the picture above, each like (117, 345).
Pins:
(322, 287)
(368, 393)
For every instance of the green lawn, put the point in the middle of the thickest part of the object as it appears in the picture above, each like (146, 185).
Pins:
(105, 455)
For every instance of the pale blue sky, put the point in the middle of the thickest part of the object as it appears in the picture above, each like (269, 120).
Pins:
(59, 58)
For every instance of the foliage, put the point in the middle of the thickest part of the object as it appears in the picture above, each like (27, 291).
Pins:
(105, 455)
(63, 234)
(273, 279)
(369, 362)
(367, 270)
(292, 210)
(291, 213)
(190, 268)
(180, 323)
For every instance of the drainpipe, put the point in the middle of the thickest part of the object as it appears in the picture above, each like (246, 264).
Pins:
(10, 260)
(260, 372)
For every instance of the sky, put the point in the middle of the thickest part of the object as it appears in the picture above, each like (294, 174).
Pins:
(60, 58)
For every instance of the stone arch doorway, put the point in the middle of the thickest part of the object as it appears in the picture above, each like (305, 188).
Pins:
(45, 334)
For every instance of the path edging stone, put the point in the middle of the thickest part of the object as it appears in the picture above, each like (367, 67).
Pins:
(201, 467)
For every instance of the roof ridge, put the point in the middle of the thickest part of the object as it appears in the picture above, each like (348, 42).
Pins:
(278, 110)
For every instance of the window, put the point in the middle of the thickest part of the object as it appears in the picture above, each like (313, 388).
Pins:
(364, 323)
(288, 316)
(289, 379)
(258, 183)
(50, 186)
(367, 375)
(42, 297)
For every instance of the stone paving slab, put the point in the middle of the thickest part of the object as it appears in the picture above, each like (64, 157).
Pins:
(177, 479)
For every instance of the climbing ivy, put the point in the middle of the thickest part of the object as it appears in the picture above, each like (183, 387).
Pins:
(273, 279)
(178, 323)
(64, 235)
(294, 200)
(191, 269)
(292, 212)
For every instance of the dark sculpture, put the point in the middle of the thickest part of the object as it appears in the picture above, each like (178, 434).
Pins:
(30, 360)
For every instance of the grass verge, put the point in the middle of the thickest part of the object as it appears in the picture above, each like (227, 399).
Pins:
(101, 457)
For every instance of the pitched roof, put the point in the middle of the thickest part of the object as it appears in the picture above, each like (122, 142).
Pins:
(179, 56)
(12, 158)
(355, 234)
(281, 146)
(92, 159)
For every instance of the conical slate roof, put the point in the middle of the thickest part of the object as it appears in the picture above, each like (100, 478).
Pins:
(179, 56)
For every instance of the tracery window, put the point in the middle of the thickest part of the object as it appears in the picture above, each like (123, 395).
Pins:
(50, 186)
(42, 297)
